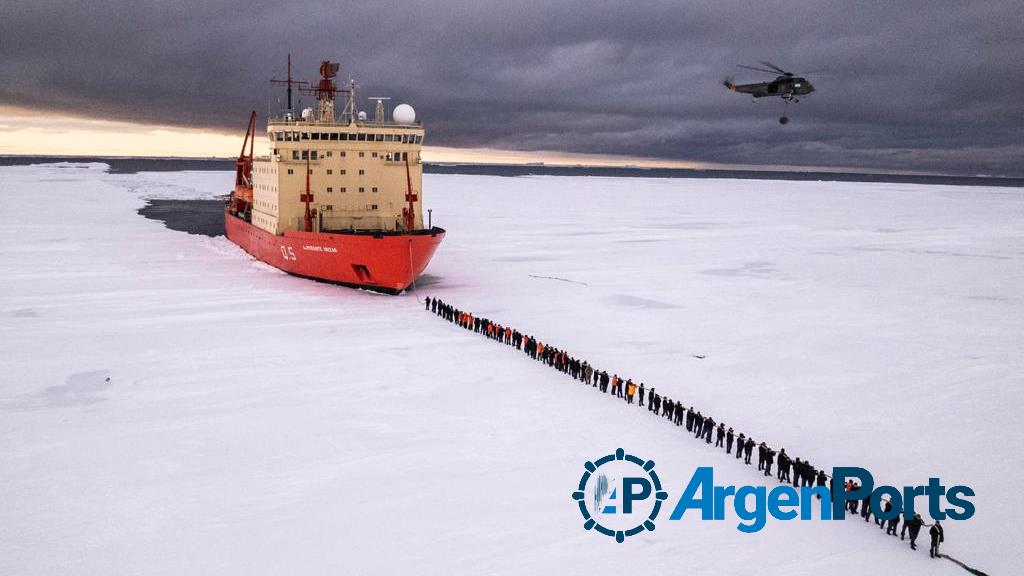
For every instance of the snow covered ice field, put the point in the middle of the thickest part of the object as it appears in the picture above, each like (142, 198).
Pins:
(256, 423)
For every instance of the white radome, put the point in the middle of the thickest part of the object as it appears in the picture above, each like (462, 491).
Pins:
(404, 114)
(307, 113)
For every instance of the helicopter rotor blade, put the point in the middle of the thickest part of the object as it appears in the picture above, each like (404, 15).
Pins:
(758, 69)
(776, 68)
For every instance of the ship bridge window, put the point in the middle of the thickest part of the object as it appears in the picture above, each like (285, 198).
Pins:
(324, 136)
(305, 135)
(343, 136)
(380, 137)
(361, 137)
(316, 135)
(405, 138)
(295, 156)
(419, 138)
(334, 135)
(374, 154)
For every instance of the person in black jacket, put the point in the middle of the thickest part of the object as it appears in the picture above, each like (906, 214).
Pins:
(428, 303)
(783, 462)
(748, 450)
(893, 523)
(739, 445)
(729, 438)
(936, 533)
(913, 527)
(720, 436)
(641, 395)
(769, 456)
(709, 428)
(878, 520)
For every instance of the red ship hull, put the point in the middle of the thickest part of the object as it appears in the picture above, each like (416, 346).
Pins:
(382, 261)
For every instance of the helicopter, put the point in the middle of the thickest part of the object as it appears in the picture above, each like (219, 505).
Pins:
(787, 86)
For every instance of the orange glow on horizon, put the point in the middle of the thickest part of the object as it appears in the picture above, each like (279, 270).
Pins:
(30, 132)
(27, 132)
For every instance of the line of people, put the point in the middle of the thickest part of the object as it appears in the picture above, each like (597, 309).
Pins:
(796, 471)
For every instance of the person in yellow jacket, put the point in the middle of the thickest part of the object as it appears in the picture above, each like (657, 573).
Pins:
(630, 391)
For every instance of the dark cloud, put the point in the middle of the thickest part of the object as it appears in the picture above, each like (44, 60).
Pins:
(913, 85)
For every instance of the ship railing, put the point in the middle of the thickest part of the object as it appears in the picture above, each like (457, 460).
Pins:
(283, 121)
(326, 221)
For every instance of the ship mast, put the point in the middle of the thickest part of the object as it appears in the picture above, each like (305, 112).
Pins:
(289, 82)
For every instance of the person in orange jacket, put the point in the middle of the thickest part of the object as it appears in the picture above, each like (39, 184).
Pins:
(630, 391)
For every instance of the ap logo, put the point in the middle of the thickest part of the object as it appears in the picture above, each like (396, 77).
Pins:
(619, 495)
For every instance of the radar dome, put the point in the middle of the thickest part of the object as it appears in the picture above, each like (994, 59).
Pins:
(361, 115)
(404, 114)
(307, 113)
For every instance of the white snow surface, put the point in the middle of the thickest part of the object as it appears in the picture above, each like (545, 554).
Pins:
(256, 423)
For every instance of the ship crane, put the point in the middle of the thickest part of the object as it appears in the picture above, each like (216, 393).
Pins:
(242, 196)
(410, 197)
(307, 220)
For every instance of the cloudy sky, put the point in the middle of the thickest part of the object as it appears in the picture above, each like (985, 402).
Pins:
(910, 85)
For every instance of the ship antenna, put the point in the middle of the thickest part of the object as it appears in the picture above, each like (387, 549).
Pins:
(289, 82)
(379, 109)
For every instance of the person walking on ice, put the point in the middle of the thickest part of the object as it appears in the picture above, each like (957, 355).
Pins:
(937, 537)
